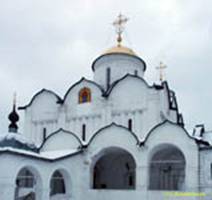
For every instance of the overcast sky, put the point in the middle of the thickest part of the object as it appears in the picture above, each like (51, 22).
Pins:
(52, 43)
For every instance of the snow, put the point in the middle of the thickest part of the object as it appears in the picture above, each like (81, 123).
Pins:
(58, 154)
(51, 155)
(15, 136)
(207, 136)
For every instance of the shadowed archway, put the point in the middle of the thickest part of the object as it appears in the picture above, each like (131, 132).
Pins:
(115, 168)
(27, 182)
(167, 169)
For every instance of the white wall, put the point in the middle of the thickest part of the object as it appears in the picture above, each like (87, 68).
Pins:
(61, 140)
(42, 113)
(120, 65)
(131, 98)
(78, 169)
(205, 170)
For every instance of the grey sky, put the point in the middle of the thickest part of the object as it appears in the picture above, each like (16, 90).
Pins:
(51, 44)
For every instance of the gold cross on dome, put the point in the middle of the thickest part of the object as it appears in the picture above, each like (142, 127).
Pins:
(119, 26)
(161, 69)
(14, 98)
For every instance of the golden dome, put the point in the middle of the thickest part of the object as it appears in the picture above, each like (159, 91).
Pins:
(120, 49)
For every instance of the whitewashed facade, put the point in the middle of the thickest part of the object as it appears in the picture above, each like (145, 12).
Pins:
(114, 137)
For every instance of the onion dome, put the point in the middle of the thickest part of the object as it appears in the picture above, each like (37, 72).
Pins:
(14, 118)
(119, 49)
(12, 139)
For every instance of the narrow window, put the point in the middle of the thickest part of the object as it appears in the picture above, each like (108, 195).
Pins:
(25, 181)
(211, 170)
(44, 134)
(83, 132)
(57, 184)
(108, 77)
(130, 124)
(84, 95)
(136, 72)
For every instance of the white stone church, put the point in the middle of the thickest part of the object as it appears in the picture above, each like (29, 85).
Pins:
(110, 138)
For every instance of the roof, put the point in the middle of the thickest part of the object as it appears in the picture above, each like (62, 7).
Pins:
(48, 156)
(54, 155)
(59, 100)
(120, 49)
(16, 140)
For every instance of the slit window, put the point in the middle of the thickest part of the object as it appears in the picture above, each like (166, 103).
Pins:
(108, 74)
(83, 132)
(211, 170)
(44, 134)
(130, 124)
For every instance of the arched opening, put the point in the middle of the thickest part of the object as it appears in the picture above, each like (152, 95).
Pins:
(57, 184)
(115, 169)
(25, 185)
(167, 169)
(84, 95)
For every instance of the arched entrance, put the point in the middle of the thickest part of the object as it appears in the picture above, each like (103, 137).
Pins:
(115, 168)
(167, 169)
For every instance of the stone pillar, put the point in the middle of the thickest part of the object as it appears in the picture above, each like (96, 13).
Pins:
(142, 171)
(44, 193)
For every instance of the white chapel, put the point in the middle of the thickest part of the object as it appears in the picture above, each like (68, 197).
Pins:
(110, 138)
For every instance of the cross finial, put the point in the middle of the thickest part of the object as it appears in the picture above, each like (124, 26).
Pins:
(14, 99)
(161, 69)
(119, 26)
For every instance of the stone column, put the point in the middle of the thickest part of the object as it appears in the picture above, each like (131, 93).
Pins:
(44, 193)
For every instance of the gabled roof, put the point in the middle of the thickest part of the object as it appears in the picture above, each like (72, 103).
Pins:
(80, 81)
(100, 131)
(107, 93)
(57, 132)
(59, 100)
(198, 141)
